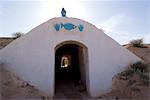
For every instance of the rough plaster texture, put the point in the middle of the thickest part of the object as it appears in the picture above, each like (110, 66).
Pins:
(32, 56)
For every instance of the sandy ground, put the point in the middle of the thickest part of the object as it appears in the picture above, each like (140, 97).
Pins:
(4, 41)
(128, 88)
(68, 89)
(13, 88)
(143, 53)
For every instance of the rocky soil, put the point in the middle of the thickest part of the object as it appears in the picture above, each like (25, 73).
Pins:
(13, 88)
(131, 87)
(5, 41)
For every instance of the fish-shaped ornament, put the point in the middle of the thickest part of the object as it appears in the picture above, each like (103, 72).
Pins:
(68, 26)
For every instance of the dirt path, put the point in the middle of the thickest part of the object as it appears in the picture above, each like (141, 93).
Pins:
(68, 89)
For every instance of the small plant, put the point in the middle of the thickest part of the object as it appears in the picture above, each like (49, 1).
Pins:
(127, 73)
(17, 35)
(137, 43)
(145, 78)
(140, 67)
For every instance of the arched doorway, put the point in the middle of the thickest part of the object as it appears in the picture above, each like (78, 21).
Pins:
(71, 69)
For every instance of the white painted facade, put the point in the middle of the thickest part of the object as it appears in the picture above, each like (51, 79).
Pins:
(32, 57)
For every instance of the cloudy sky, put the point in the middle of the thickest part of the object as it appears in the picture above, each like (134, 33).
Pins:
(123, 20)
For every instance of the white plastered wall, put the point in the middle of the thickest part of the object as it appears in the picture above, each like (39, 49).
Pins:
(32, 56)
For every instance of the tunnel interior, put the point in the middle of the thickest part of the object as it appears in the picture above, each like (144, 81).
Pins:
(67, 66)
(72, 71)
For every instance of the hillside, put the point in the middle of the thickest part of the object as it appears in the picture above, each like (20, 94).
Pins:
(131, 84)
(4, 41)
(143, 53)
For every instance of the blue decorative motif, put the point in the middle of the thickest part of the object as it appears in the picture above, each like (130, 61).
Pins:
(57, 27)
(68, 26)
(80, 27)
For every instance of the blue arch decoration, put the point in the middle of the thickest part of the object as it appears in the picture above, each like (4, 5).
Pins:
(68, 26)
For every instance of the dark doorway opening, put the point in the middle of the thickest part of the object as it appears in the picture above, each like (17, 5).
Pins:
(68, 74)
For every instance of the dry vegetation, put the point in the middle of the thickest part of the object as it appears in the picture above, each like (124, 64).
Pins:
(134, 82)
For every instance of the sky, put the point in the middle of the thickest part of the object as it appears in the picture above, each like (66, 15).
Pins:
(122, 20)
